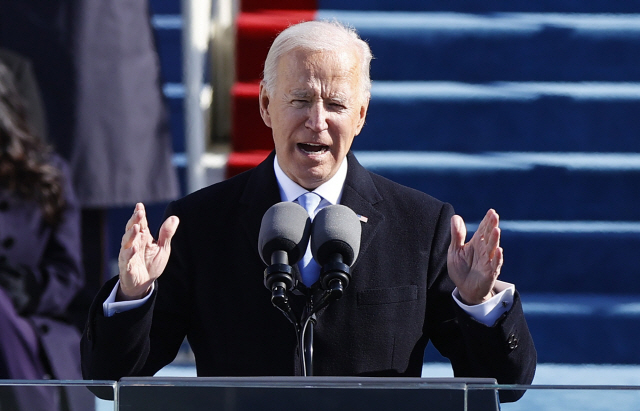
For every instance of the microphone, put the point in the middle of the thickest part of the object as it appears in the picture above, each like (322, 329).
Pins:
(335, 243)
(283, 239)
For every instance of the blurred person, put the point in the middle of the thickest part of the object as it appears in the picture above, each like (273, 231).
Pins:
(26, 82)
(99, 72)
(40, 263)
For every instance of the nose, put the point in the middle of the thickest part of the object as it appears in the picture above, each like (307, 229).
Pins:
(317, 118)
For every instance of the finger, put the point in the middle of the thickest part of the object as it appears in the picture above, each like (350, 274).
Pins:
(482, 227)
(129, 236)
(167, 230)
(491, 221)
(135, 217)
(458, 232)
(481, 234)
(142, 212)
(493, 241)
(126, 259)
(497, 261)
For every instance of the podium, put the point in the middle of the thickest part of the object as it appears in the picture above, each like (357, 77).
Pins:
(306, 394)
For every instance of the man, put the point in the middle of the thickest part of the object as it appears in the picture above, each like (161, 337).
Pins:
(314, 97)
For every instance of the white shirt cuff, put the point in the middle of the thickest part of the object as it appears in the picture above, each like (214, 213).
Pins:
(111, 307)
(489, 311)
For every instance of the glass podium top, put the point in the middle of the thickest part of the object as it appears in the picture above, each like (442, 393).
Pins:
(333, 393)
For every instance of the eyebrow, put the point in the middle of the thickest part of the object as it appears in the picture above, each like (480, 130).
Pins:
(339, 98)
(301, 93)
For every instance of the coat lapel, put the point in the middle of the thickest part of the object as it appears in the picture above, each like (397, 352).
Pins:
(261, 192)
(361, 195)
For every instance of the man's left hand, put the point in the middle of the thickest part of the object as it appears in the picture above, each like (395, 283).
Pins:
(475, 266)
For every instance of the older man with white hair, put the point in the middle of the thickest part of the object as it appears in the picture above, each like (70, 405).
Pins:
(415, 279)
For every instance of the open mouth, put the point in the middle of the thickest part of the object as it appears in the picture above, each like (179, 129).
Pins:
(311, 148)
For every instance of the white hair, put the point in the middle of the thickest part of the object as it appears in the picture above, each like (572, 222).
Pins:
(318, 36)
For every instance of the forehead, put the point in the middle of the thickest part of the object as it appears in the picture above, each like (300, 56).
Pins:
(307, 70)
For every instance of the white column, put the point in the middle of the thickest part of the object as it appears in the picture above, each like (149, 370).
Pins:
(196, 33)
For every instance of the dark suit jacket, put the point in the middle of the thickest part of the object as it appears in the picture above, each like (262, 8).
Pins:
(399, 298)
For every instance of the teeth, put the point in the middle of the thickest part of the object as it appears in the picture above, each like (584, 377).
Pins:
(312, 148)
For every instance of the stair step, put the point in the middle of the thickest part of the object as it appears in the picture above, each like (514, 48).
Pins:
(446, 116)
(601, 329)
(255, 32)
(164, 6)
(498, 46)
(575, 329)
(505, 116)
(174, 95)
(570, 256)
(168, 34)
(521, 186)
(486, 6)
(580, 261)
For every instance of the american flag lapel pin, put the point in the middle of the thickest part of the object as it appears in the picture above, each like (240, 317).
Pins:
(362, 218)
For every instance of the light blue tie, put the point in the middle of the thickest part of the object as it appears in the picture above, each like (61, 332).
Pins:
(309, 268)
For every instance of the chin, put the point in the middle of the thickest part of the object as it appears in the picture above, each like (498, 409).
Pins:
(311, 181)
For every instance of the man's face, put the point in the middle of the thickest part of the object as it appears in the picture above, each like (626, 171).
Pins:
(315, 111)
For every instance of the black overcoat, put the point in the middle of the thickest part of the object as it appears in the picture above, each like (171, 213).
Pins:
(399, 298)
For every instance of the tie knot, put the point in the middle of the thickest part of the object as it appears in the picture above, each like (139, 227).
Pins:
(310, 202)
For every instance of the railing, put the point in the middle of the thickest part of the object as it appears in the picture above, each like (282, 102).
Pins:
(340, 393)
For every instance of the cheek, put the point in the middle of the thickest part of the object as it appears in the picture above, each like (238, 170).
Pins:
(291, 119)
(346, 130)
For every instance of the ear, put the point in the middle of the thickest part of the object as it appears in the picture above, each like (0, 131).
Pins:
(264, 105)
(363, 114)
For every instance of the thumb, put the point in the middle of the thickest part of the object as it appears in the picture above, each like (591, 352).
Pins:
(167, 230)
(458, 233)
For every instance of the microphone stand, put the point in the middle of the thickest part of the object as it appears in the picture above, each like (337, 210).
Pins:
(306, 342)
(334, 278)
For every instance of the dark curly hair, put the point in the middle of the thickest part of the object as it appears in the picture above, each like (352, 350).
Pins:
(25, 167)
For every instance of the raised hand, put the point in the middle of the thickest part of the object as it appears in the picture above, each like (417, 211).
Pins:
(142, 259)
(475, 266)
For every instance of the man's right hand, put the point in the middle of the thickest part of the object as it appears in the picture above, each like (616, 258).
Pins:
(142, 259)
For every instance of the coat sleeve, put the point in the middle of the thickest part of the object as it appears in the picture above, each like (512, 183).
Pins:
(118, 346)
(140, 341)
(504, 351)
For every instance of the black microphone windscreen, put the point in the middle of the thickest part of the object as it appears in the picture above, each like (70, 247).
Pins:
(336, 229)
(285, 226)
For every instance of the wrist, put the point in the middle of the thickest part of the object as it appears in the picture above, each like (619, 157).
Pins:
(121, 295)
(475, 301)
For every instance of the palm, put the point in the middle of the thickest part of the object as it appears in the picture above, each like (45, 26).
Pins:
(142, 260)
(143, 264)
(475, 266)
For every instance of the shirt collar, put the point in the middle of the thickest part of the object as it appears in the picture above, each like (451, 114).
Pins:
(330, 191)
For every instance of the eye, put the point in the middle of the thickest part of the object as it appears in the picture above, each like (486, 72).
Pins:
(334, 105)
